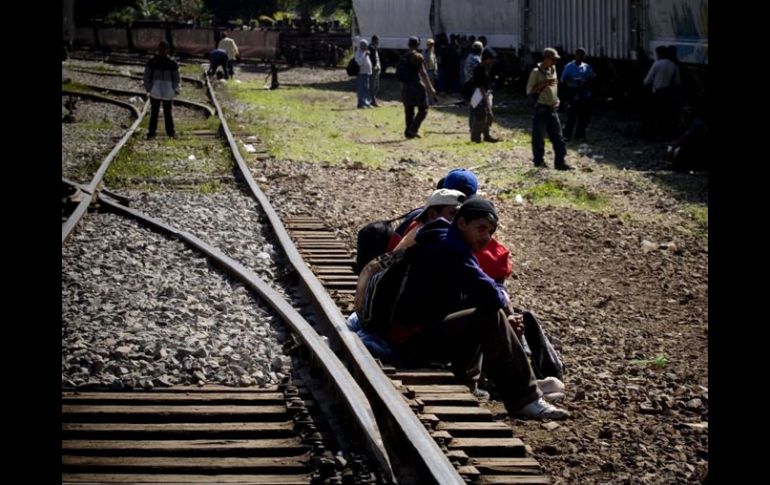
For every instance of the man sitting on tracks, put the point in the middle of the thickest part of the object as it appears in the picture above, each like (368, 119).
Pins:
(448, 309)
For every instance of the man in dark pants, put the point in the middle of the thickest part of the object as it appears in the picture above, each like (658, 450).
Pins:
(161, 81)
(217, 59)
(413, 92)
(576, 78)
(450, 310)
(542, 86)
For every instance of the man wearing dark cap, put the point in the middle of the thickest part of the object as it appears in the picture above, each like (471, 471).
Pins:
(450, 310)
(542, 86)
(413, 92)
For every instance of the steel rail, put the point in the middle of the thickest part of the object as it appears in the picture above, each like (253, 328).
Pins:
(131, 75)
(104, 99)
(80, 210)
(177, 101)
(354, 398)
(417, 455)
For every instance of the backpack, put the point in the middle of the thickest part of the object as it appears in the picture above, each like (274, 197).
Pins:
(384, 289)
(372, 240)
(405, 72)
(353, 68)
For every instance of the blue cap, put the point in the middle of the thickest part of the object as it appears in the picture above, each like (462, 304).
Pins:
(463, 180)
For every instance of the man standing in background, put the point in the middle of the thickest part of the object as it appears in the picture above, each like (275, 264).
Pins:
(228, 45)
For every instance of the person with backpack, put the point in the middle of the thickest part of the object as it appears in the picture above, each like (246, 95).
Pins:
(441, 203)
(447, 309)
(374, 81)
(364, 73)
(480, 116)
(414, 80)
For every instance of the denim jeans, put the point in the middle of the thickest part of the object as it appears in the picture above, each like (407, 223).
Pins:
(374, 85)
(362, 90)
(546, 120)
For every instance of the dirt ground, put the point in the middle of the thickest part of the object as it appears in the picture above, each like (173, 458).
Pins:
(613, 287)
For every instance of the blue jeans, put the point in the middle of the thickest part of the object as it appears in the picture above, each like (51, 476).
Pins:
(547, 120)
(374, 85)
(362, 90)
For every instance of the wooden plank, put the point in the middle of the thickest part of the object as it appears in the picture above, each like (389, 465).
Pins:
(337, 277)
(425, 377)
(514, 480)
(209, 388)
(459, 413)
(331, 270)
(431, 389)
(489, 446)
(469, 471)
(155, 413)
(184, 479)
(189, 430)
(449, 399)
(458, 456)
(143, 398)
(272, 447)
(331, 260)
(186, 464)
(507, 465)
(476, 429)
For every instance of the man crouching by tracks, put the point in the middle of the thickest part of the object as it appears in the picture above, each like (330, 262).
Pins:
(445, 308)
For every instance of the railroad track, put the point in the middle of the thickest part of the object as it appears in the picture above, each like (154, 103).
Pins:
(428, 428)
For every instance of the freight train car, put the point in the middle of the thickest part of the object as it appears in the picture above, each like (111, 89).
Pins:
(611, 29)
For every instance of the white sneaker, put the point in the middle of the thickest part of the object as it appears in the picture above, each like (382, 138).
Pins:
(554, 396)
(540, 409)
(550, 385)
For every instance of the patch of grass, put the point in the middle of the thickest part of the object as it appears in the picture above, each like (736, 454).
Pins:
(192, 70)
(308, 124)
(557, 192)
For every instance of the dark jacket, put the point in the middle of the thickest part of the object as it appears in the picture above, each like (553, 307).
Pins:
(161, 77)
(445, 277)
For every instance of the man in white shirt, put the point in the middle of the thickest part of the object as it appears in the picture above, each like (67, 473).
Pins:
(227, 44)
(665, 79)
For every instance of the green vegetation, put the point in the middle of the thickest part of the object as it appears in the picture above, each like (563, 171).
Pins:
(153, 160)
(297, 124)
(558, 192)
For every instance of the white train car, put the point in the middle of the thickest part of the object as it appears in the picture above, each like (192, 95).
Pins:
(500, 21)
(609, 29)
(393, 21)
(616, 29)
(683, 23)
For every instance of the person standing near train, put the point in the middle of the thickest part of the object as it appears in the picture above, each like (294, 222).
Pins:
(542, 87)
(364, 61)
(161, 81)
(414, 84)
(227, 44)
(374, 81)
(577, 78)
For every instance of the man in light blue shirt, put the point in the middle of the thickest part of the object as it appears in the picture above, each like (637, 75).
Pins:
(576, 79)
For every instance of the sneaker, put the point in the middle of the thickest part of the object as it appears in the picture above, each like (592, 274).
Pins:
(540, 409)
(541, 164)
(150, 136)
(550, 384)
(491, 139)
(553, 396)
(481, 394)
(564, 167)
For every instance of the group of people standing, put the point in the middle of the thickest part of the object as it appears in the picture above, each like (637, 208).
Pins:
(368, 81)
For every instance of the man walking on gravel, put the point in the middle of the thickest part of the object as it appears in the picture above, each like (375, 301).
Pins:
(414, 83)
(161, 81)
